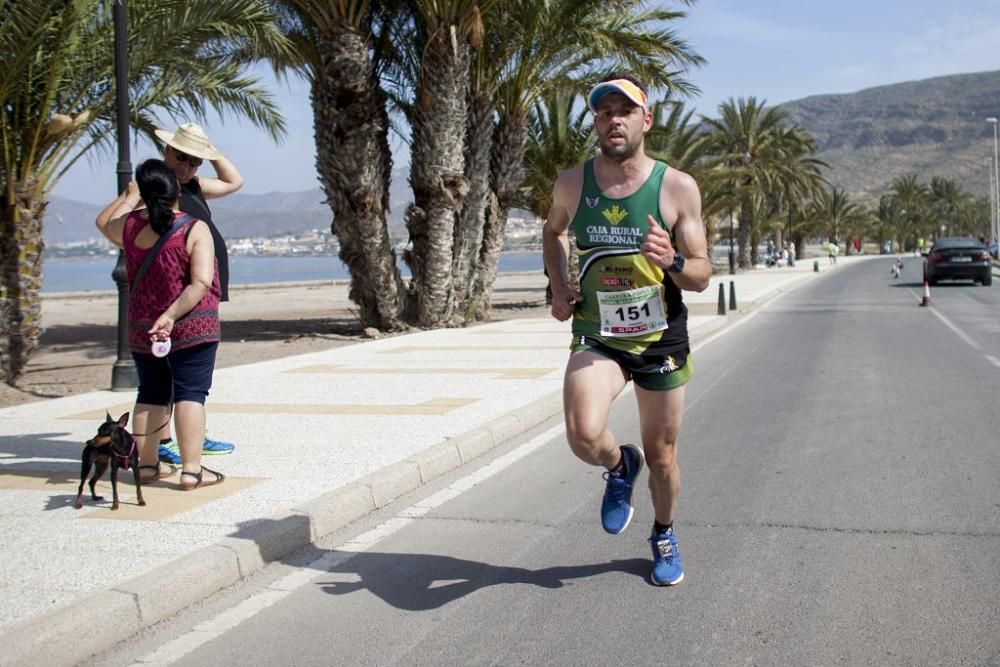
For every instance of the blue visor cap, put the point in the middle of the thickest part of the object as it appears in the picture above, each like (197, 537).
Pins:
(621, 86)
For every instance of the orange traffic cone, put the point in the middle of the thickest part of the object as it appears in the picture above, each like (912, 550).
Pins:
(926, 301)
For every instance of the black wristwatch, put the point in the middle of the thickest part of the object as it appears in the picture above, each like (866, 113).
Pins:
(678, 264)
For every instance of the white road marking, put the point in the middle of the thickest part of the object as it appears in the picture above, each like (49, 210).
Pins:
(961, 334)
(205, 632)
(993, 360)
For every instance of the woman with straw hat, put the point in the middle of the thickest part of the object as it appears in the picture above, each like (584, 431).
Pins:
(184, 150)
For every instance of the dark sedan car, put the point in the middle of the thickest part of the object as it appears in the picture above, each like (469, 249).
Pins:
(958, 259)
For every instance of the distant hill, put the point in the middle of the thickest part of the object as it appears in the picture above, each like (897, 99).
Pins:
(238, 216)
(934, 127)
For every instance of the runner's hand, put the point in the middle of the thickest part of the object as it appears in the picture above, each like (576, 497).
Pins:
(656, 246)
(564, 302)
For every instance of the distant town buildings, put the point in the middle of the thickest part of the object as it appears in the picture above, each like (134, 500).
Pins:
(522, 234)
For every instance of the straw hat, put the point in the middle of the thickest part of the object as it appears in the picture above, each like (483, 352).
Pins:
(191, 139)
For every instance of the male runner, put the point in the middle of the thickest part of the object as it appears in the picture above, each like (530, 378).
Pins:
(640, 241)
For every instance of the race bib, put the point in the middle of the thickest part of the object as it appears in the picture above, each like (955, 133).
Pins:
(632, 312)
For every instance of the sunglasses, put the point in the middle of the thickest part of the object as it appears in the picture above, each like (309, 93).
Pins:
(184, 157)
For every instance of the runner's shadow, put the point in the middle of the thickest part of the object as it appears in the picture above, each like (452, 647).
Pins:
(418, 582)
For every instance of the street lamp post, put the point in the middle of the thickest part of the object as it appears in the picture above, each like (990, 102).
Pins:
(996, 177)
(123, 373)
(993, 204)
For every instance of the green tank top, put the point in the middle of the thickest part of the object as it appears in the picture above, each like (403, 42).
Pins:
(629, 303)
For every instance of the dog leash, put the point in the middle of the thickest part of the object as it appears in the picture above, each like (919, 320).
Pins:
(170, 410)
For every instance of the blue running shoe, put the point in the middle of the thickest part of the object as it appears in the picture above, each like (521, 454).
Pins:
(616, 508)
(667, 567)
(169, 453)
(217, 447)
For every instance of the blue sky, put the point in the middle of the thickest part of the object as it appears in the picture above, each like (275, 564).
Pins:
(777, 50)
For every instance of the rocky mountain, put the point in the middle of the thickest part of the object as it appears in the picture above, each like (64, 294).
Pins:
(933, 127)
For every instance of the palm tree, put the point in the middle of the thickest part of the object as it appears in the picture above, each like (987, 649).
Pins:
(758, 155)
(58, 103)
(685, 145)
(446, 32)
(890, 220)
(946, 200)
(973, 218)
(557, 45)
(912, 197)
(560, 135)
(675, 139)
(345, 48)
(835, 215)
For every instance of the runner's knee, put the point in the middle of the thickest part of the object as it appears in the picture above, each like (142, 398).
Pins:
(662, 460)
(586, 440)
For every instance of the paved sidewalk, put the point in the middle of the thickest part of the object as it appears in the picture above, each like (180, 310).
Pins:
(323, 439)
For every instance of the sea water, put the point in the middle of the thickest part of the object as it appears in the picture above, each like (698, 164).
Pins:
(79, 274)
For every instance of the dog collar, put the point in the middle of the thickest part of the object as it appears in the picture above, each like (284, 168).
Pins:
(126, 458)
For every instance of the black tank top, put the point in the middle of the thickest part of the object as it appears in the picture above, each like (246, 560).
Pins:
(193, 203)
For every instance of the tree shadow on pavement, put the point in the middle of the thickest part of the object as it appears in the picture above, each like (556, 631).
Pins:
(417, 582)
(59, 454)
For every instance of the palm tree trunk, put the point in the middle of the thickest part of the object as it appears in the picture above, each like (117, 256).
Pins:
(507, 171)
(746, 249)
(437, 175)
(354, 164)
(21, 248)
(472, 220)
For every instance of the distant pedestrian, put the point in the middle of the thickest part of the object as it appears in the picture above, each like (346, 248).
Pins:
(833, 249)
(791, 253)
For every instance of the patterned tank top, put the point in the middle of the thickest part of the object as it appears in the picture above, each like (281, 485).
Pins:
(163, 282)
(629, 303)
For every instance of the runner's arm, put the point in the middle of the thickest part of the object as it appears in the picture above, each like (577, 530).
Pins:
(555, 248)
(689, 235)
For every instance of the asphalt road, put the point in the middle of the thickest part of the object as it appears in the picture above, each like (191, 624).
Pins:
(841, 505)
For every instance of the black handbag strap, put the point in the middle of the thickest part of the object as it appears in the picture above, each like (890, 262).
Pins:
(155, 249)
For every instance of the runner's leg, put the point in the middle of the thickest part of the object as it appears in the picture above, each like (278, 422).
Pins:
(660, 415)
(591, 384)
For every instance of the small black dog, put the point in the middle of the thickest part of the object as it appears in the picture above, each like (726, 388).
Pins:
(115, 445)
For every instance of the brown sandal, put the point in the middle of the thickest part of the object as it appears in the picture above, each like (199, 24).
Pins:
(219, 477)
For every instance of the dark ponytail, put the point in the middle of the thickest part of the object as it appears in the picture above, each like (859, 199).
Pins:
(159, 190)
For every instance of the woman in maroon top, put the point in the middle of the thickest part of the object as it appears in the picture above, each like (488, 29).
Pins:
(175, 301)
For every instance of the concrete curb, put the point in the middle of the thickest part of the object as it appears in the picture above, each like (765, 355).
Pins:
(128, 608)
